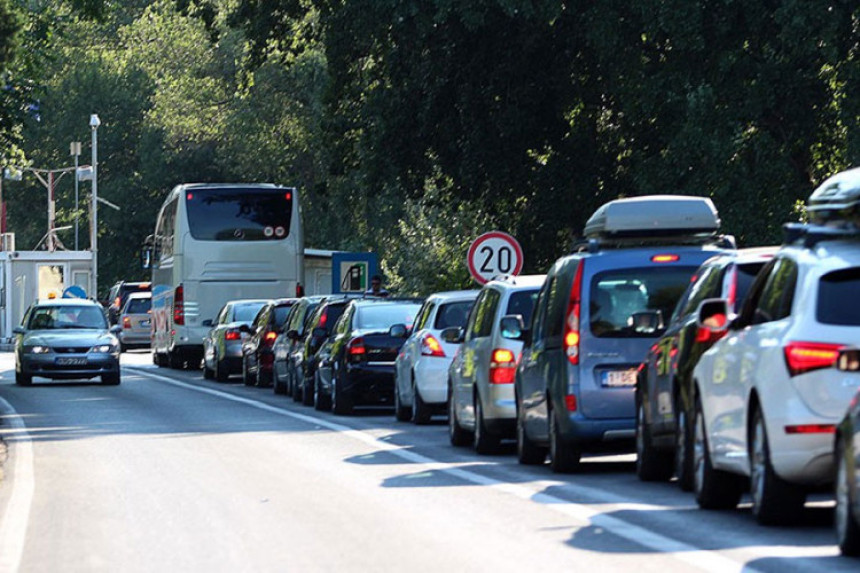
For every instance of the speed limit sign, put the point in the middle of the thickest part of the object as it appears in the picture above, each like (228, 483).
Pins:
(494, 253)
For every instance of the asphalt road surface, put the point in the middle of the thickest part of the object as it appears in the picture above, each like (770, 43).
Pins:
(171, 472)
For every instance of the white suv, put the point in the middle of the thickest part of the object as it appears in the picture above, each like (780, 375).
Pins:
(767, 399)
(421, 367)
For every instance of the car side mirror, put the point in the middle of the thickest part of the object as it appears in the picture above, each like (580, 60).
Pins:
(245, 328)
(453, 335)
(511, 327)
(293, 334)
(712, 320)
(19, 330)
(647, 322)
(207, 322)
(849, 360)
(398, 331)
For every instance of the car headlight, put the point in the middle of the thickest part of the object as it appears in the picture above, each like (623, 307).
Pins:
(103, 348)
(38, 349)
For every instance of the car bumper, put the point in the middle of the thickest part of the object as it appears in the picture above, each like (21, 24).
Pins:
(47, 366)
(806, 459)
(370, 383)
(431, 379)
(576, 428)
(499, 404)
(131, 337)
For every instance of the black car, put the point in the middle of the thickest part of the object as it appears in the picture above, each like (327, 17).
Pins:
(319, 329)
(119, 294)
(664, 389)
(360, 368)
(258, 354)
(289, 346)
(847, 462)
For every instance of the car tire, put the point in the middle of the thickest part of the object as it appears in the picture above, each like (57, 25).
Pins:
(175, 360)
(651, 463)
(222, 373)
(683, 449)
(340, 402)
(246, 376)
(321, 402)
(296, 388)
(564, 457)
(713, 488)
(111, 379)
(122, 347)
(277, 386)
(22, 379)
(401, 413)
(208, 374)
(847, 528)
(528, 452)
(456, 434)
(263, 379)
(774, 500)
(308, 391)
(485, 441)
(421, 412)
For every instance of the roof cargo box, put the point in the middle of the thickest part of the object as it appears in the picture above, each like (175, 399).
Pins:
(654, 216)
(837, 200)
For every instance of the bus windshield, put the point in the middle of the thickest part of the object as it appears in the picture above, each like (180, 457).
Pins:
(239, 214)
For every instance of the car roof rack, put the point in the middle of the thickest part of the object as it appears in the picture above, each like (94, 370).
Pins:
(837, 200)
(808, 235)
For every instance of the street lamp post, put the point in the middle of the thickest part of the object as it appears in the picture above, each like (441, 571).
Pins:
(94, 124)
(75, 149)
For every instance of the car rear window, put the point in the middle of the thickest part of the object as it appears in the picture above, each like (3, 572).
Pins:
(384, 315)
(246, 312)
(138, 306)
(281, 313)
(523, 303)
(837, 292)
(452, 314)
(617, 295)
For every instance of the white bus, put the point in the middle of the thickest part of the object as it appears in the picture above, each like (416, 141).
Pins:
(214, 243)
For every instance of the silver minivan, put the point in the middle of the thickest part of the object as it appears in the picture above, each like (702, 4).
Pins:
(481, 406)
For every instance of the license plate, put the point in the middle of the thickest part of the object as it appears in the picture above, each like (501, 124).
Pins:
(615, 378)
(144, 323)
(71, 361)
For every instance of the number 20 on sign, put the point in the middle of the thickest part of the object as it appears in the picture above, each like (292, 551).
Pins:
(492, 254)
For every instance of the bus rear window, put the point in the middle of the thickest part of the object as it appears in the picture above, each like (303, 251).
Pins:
(836, 291)
(239, 214)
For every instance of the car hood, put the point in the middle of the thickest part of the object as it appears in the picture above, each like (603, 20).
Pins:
(76, 337)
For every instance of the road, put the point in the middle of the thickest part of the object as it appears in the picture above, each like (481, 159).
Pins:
(170, 472)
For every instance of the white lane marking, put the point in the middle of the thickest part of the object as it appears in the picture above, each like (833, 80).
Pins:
(702, 559)
(13, 526)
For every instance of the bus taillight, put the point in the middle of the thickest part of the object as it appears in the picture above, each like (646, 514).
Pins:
(300, 290)
(178, 306)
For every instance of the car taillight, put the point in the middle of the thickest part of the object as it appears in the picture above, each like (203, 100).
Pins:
(711, 335)
(355, 348)
(571, 324)
(665, 258)
(503, 366)
(232, 335)
(803, 357)
(126, 322)
(178, 306)
(811, 429)
(431, 347)
(270, 337)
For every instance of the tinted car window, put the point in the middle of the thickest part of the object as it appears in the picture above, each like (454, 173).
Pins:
(617, 294)
(281, 313)
(138, 306)
(246, 312)
(744, 278)
(837, 292)
(383, 316)
(486, 313)
(239, 214)
(778, 294)
(452, 314)
(706, 285)
(523, 303)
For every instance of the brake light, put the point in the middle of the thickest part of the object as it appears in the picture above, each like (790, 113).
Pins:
(503, 366)
(570, 403)
(356, 348)
(232, 335)
(665, 258)
(803, 357)
(300, 290)
(178, 306)
(571, 325)
(431, 347)
(270, 337)
(811, 429)
(126, 322)
(323, 319)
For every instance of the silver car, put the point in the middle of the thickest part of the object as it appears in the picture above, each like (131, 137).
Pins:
(66, 339)
(222, 346)
(135, 319)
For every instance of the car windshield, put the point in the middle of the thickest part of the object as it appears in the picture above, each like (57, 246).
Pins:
(247, 311)
(619, 297)
(59, 317)
(381, 317)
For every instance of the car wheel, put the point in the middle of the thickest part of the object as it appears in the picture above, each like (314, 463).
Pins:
(456, 434)
(714, 489)
(651, 463)
(122, 347)
(111, 379)
(222, 374)
(564, 457)
(296, 388)
(175, 360)
(683, 449)
(322, 402)
(22, 379)
(774, 500)
(485, 441)
(155, 359)
(401, 413)
(277, 386)
(421, 412)
(528, 452)
(340, 403)
(264, 379)
(208, 374)
(246, 376)
(847, 527)
(308, 391)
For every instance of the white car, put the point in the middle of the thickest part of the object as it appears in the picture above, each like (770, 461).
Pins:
(421, 367)
(767, 398)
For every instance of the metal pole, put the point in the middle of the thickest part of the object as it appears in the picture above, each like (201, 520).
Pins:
(94, 124)
(76, 151)
(51, 206)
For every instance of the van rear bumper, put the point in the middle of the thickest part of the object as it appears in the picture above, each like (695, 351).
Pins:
(578, 429)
